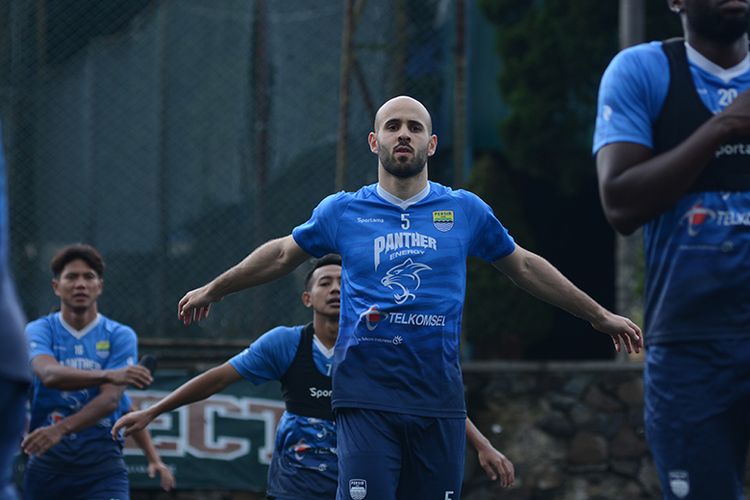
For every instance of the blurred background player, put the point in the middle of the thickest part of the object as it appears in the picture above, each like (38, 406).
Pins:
(14, 369)
(82, 362)
(304, 463)
(398, 391)
(672, 151)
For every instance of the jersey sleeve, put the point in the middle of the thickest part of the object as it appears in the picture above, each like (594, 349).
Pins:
(123, 349)
(317, 236)
(631, 94)
(39, 337)
(489, 238)
(269, 357)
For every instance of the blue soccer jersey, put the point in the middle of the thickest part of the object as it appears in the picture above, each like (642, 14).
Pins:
(402, 290)
(102, 345)
(304, 463)
(696, 251)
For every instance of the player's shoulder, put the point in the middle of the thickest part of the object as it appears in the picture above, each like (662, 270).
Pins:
(461, 196)
(46, 322)
(368, 192)
(644, 57)
(340, 200)
(281, 335)
(115, 328)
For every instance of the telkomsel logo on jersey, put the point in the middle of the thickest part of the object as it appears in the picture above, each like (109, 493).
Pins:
(698, 216)
(373, 317)
(401, 244)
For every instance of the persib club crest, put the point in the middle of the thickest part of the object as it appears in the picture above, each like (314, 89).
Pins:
(679, 483)
(357, 489)
(442, 220)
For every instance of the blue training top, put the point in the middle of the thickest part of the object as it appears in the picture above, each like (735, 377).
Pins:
(304, 463)
(699, 252)
(103, 345)
(13, 356)
(402, 290)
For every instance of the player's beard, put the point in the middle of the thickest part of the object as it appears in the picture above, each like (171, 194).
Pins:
(403, 169)
(712, 24)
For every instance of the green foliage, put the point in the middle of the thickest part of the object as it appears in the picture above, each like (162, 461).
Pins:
(500, 319)
(553, 54)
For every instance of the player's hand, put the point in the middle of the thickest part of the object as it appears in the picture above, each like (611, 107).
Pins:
(136, 375)
(622, 330)
(738, 114)
(495, 464)
(166, 478)
(41, 440)
(131, 422)
(195, 305)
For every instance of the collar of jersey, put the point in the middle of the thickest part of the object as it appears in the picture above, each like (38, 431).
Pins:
(403, 204)
(725, 74)
(328, 353)
(80, 333)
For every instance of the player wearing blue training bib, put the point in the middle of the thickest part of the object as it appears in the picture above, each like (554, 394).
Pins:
(81, 362)
(304, 465)
(14, 371)
(397, 387)
(673, 148)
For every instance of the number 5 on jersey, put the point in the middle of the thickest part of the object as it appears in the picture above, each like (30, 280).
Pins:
(405, 223)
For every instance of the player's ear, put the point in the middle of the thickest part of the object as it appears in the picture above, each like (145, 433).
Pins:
(432, 145)
(55, 284)
(306, 299)
(372, 139)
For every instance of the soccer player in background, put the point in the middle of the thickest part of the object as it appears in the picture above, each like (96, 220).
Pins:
(304, 464)
(398, 394)
(82, 362)
(14, 370)
(672, 152)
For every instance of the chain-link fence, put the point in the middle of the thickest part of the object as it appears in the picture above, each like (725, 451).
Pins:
(177, 135)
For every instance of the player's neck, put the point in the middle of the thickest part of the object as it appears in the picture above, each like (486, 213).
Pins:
(725, 55)
(402, 188)
(326, 329)
(79, 319)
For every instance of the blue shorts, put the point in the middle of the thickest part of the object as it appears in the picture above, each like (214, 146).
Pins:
(697, 415)
(12, 423)
(43, 484)
(390, 456)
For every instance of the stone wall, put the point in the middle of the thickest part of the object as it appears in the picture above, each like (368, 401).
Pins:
(573, 430)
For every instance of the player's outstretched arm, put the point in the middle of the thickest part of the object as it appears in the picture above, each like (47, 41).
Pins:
(196, 389)
(65, 378)
(43, 438)
(494, 463)
(155, 465)
(268, 262)
(541, 279)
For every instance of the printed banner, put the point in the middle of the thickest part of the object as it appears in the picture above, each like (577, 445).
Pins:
(224, 442)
